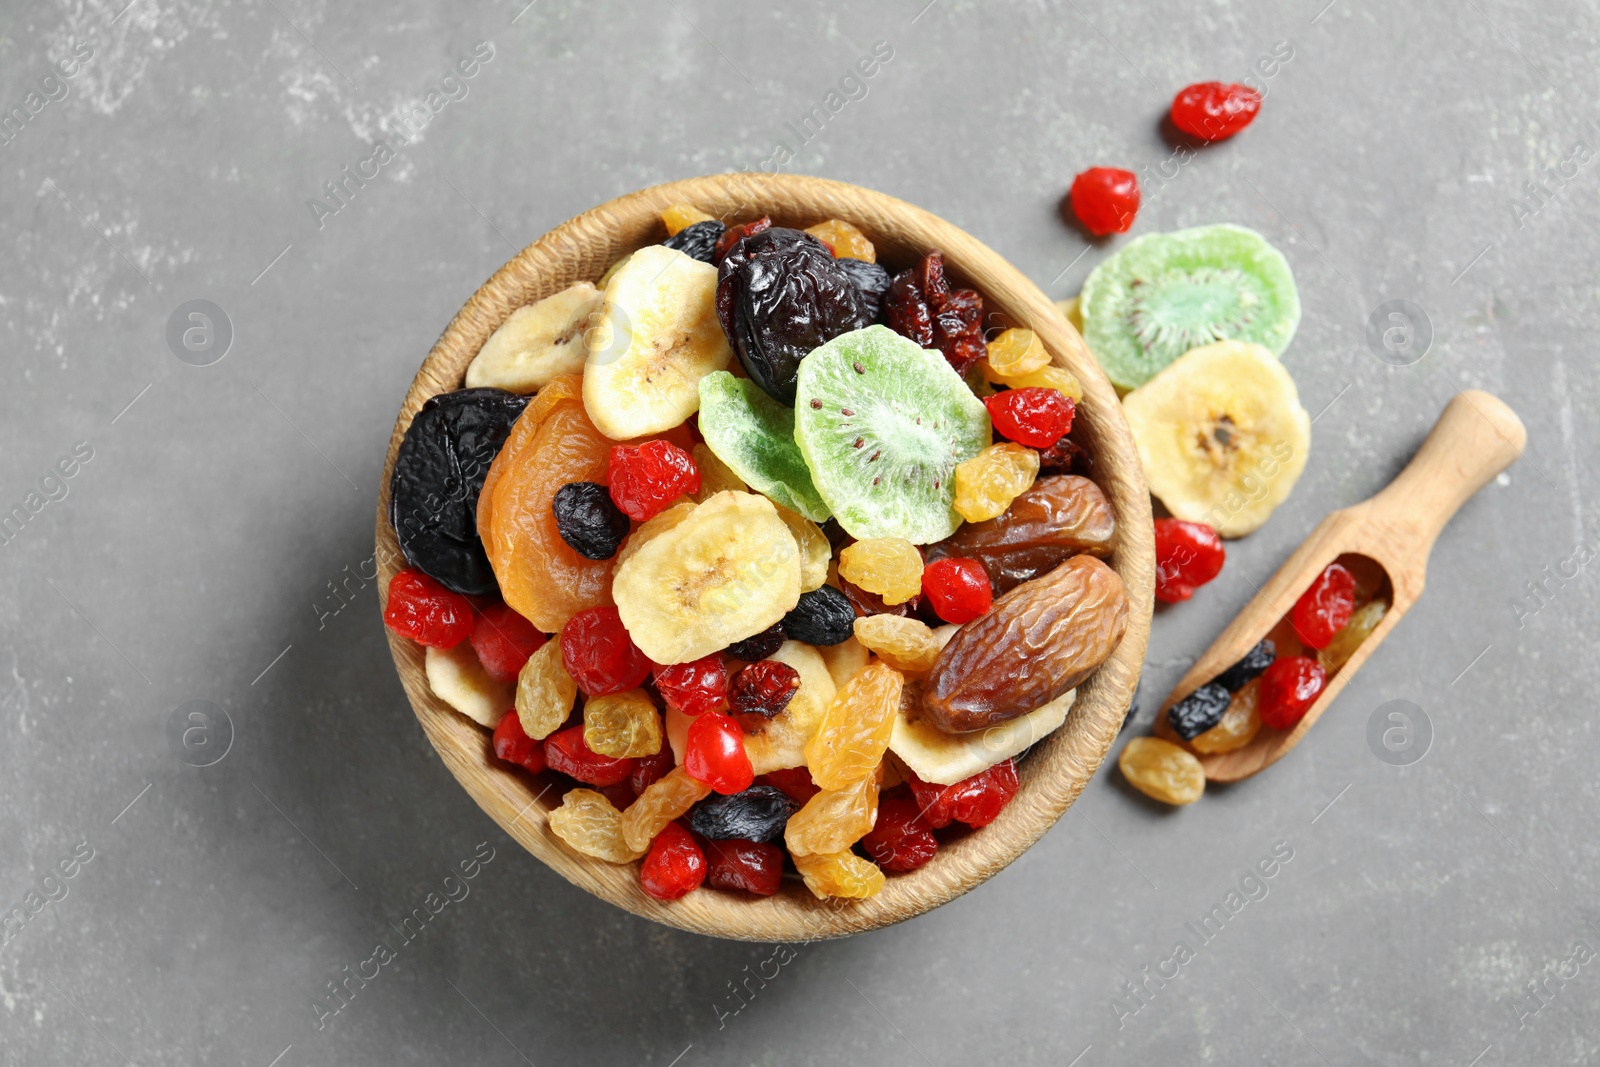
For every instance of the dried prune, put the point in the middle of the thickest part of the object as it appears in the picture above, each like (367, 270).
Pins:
(438, 474)
(757, 814)
(1199, 711)
(921, 305)
(697, 241)
(1254, 662)
(764, 688)
(588, 521)
(823, 617)
(1038, 641)
(780, 294)
(759, 646)
(872, 280)
(1059, 517)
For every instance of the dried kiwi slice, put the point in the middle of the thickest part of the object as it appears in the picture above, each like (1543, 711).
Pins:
(754, 435)
(1166, 293)
(882, 424)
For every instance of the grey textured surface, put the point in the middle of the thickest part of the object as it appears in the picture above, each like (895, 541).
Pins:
(194, 556)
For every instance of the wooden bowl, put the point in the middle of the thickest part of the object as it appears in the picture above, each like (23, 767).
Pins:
(1052, 775)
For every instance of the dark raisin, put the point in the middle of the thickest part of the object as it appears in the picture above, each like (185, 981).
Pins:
(1254, 662)
(823, 617)
(734, 234)
(1199, 711)
(758, 646)
(922, 306)
(757, 814)
(905, 312)
(764, 688)
(438, 473)
(698, 241)
(587, 519)
(1065, 457)
(871, 279)
(866, 603)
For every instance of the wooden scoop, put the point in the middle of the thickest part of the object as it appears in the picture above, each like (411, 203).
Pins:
(1385, 540)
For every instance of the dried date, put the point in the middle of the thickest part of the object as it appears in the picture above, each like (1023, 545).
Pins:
(1059, 517)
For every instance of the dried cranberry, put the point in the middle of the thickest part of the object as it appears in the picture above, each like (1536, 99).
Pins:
(795, 781)
(646, 478)
(900, 840)
(1105, 200)
(753, 866)
(503, 641)
(599, 654)
(426, 612)
(1034, 416)
(1188, 555)
(921, 305)
(1288, 689)
(758, 646)
(906, 313)
(696, 686)
(958, 589)
(764, 688)
(1213, 111)
(647, 770)
(1323, 610)
(734, 234)
(564, 751)
(713, 753)
(674, 865)
(976, 801)
(514, 746)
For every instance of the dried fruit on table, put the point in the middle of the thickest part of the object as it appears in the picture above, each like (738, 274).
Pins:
(674, 865)
(426, 612)
(664, 800)
(834, 819)
(987, 483)
(599, 654)
(693, 687)
(844, 240)
(1238, 725)
(1250, 665)
(1059, 517)
(1015, 352)
(715, 475)
(545, 692)
(1213, 111)
(1199, 711)
(536, 343)
(780, 741)
(976, 801)
(646, 478)
(1038, 641)
(590, 824)
(900, 840)
(823, 617)
(588, 521)
(512, 745)
(1362, 622)
(957, 589)
(1162, 770)
(622, 724)
(753, 435)
(755, 814)
(1105, 199)
(921, 305)
(854, 731)
(759, 646)
(679, 217)
(457, 678)
(842, 874)
(890, 567)
(907, 645)
(1188, 555)
(714, 753)
(763, 688)
(1288, 689)
(1323, 609)
(565, 751)
(753, 866)
(1031, 416)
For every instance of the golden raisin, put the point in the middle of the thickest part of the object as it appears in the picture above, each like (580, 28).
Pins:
(545, 692)
(1016, 352)
(622, 725)
(1362, 622)
(854, 731)
(833, 819)
(846, 241)
(891, 567)
(905, 644)
(1162, 770)
(1046, 377)
(680, 217)
(1238, 724)
(714, 475)
(662, 801)
(987, 483)
(588, 822)
(815, 551)
(841, 874)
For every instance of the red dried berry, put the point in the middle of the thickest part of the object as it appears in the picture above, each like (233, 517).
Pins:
(753, 866)
(976, 801)
(514, 746)
(646, 478)
(621, 794)
(763, 688)
(921, 305)
(1034, 416)
(957, 588)
(732, 235)
(564, 751)
(1323, 610)
(674, 865)
(713, 753)
(503, 641)
(426, 612)
(647, 770)
(599, 654)
(1188, 555)
(900, 840)
(696, 686)
(1214, 111)
(1105, 199)
(794, 781)
(1288, 689)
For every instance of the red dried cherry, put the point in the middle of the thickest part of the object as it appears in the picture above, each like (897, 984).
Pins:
(976, 801)
(732, 235)
(1288, 688)
(1105, 199)
(599, 654)
(565, 751)
(514, 746)
(900, 840)
(503, 641)
(763, 688)
(646, 478)
(674, 865)
(426, 612)
(957, 588)
(647, 770)
(1188, 555)
(1323, 610)
(696, 686)
(713, 753)
(1214, 111)
(1034, 416)
(753, 866)
(794, 781)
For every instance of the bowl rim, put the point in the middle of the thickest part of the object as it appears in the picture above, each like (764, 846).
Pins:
(1058, 767)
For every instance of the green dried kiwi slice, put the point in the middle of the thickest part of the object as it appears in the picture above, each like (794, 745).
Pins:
(1166, 293)
(882, 424)
(754, 435)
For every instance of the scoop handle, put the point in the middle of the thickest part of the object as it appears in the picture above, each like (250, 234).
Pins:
(1476, 438)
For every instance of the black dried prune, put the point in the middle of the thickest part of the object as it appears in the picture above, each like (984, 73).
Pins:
(1254, 662)
(758, 646)
(588, 520)
(698, 241)
(438, 473)
(1199, 711)
(781, 294)
(760, 813)
(823, 617)
(871, 279)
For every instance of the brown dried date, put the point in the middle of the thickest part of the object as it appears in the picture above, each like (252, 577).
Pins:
(1059, 517)
(1038, 641)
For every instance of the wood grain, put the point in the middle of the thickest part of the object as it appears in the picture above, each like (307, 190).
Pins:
(1052, 776)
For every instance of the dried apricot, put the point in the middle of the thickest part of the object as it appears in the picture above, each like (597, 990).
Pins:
(907, 645)
(988, 482)
(1162, 770)
(890, 567)
(854, 732)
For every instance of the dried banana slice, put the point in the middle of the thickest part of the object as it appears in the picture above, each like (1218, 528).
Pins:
(780, 741)
(945, 759)
(457, 678)
(537, 343)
